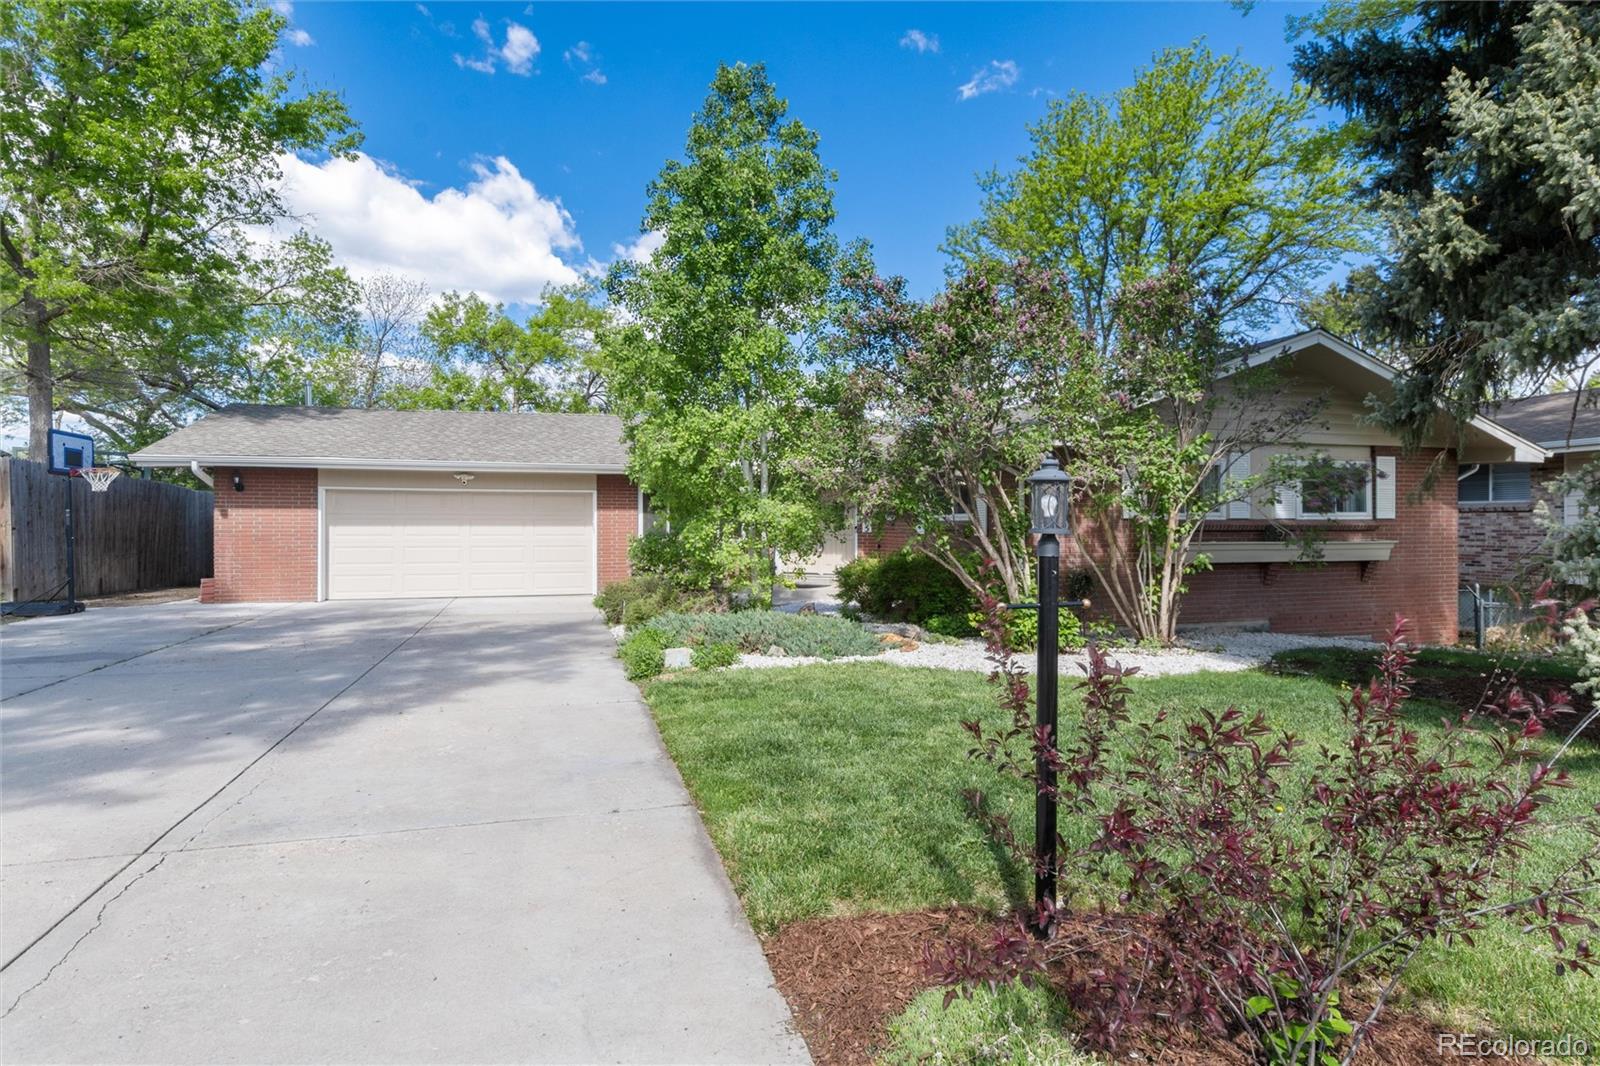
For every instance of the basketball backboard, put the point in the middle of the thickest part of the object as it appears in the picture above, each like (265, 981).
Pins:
(70, 451)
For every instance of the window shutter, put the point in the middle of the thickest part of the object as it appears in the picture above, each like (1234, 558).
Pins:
(1288, 505)
(1239, 470)
(1569, 508)
(1384, 490)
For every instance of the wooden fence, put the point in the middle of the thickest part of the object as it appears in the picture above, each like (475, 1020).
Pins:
(135, 535)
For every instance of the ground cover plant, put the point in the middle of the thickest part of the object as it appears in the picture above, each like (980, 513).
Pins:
(820, 635)
(837, 791)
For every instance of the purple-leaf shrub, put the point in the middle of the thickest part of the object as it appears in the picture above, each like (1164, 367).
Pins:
(1234, 878)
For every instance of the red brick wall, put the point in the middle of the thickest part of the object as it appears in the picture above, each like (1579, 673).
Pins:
(886, 541)
(619, 524)
(1499, 540)
(1419, 579)
(265, 538)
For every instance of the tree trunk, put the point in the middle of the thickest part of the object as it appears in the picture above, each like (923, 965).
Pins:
(41, 385)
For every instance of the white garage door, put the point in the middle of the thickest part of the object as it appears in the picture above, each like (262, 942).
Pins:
(387, 544)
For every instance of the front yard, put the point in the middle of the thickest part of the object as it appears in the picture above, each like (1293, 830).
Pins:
(836, 790)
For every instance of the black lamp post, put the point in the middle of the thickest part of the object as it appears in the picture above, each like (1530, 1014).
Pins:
(1050, 523)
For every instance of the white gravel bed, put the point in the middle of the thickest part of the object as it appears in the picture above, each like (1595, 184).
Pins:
(1221, 650)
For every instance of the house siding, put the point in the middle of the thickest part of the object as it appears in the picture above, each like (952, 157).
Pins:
(1501, 541)
(1418, 580)
(618, 525)
(265, 537)
(265, 546)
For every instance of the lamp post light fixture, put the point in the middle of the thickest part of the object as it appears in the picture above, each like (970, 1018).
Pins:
(1051, 492)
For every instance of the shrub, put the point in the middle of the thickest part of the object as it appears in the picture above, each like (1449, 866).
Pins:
(1268, 888)
(1022, 629)
(713, 656)
(950, 625)
(642, 653)
(640, 598)
(820, 635)
(906, 586)
(854, 579)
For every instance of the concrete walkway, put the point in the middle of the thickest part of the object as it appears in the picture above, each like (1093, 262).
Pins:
(424, 831)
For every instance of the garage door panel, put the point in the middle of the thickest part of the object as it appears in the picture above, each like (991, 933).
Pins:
(396, 544)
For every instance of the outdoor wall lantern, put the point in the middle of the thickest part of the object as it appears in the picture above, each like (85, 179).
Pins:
(1051, 493)
(238, 483)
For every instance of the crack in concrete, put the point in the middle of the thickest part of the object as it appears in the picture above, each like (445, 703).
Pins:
(148, 848)
(140, 655)
(99, 919)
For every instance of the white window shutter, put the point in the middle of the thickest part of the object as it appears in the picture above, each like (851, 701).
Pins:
(1569, 508)
(1288, 505)
(1239, 470)
(1384, 491)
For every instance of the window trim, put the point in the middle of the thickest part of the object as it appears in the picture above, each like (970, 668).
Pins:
(1365, 515)
(1493, 501)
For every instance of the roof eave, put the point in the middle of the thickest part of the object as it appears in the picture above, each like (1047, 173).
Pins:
(1581, 444)
(301, 462)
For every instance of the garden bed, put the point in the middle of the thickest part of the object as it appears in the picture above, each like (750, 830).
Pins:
(847, 979)
(1457, 677)
(833, 794)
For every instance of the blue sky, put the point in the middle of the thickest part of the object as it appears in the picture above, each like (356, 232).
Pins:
(510, 144)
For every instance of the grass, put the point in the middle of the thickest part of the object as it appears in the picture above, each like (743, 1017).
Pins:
(1013, 1026)
(837, 790)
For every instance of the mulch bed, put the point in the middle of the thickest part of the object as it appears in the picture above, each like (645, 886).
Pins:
(1467, 692)
(846, 978)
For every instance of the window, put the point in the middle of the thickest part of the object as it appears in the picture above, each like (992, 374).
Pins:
(1347, 493)
(647, 515)
(1495, 483)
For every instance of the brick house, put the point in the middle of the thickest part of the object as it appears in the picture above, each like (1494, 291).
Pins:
(316, 503)
(324, 503)
(1389, 547)
(1500, 539)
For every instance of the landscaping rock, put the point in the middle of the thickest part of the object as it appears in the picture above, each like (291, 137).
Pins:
(678, 658)
(776, 652)
(899, 629)
(895, 642)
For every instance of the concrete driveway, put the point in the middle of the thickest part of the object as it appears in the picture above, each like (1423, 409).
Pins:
(423, 831)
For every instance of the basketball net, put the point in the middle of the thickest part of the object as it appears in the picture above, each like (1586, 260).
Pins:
(98, 477)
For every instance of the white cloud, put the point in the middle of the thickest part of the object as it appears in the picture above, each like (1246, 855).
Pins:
(999, 74)
(581, 55)
(283, 7)
(644, 248)
(497, 237)
(918, 41)
(301, 38)
(518, 51)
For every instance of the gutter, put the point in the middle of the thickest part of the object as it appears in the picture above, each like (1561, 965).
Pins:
(198, 471)
(146, 459)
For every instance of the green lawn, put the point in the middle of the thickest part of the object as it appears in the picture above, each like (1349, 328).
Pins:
(836, 790)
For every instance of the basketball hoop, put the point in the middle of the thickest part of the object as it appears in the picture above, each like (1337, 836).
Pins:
(98, 477)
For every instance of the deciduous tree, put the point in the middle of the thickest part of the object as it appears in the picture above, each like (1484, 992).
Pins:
(137, 147)
(709, 364)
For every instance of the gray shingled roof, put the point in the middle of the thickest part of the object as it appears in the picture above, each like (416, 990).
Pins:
(260, 435)
(1552, 420)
